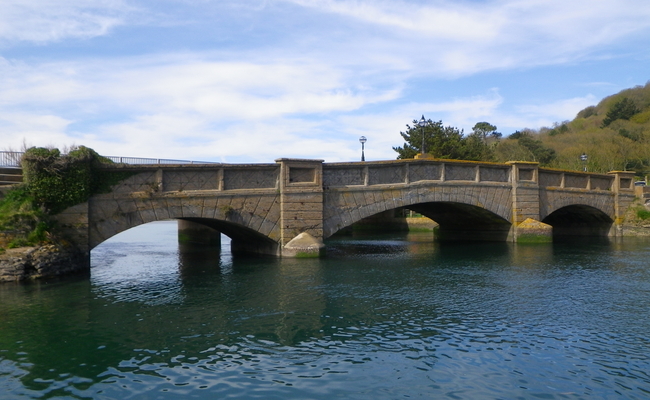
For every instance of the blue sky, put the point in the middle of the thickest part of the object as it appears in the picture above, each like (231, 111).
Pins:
(255, 80)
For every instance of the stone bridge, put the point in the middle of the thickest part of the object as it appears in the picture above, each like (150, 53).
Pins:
(264, 207)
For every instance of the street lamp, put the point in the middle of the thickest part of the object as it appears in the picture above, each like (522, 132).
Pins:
(362, 140)
(583, 158)
(422, 124)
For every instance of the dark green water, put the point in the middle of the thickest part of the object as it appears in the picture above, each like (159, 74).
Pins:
(388, 318)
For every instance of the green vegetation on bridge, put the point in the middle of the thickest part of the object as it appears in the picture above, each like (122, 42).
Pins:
(52, 182)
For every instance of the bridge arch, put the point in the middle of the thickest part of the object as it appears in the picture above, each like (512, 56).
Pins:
(250, 220)
(243, 239)
(554, 200)
(579, 220)
(480, 212)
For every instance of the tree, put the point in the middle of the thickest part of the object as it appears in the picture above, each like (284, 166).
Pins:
(522, 146)
(544, 155)
(622, 109)
(441, 142)
(485, 129)
(587, 112)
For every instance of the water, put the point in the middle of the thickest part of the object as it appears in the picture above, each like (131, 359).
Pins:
(388, 318)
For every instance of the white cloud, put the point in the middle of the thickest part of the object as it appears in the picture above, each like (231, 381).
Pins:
(459, 38)
(557, 111)
(306, 91)
(52, 20)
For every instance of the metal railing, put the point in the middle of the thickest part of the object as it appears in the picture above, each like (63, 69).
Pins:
(139, 160)
(11, 159)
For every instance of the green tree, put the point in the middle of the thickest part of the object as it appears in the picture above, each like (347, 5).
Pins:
(542, 154)
(485, 130)
(587, 112)
(622, 109)
(441, 142)
(522, 146)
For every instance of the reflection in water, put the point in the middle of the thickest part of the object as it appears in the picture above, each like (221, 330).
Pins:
(382, 317)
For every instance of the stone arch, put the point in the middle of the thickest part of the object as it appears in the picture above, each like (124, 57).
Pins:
(554, 200)
(253, 217)
(489, 203)
(579, 220)
(244, 239)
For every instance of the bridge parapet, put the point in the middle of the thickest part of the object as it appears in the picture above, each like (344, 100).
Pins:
(197, 177)
(336, 175)
(560, 179)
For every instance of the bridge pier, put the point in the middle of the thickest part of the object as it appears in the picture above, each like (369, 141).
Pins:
(301, 207)
(526, 219)
(624, 195)
(193, 232)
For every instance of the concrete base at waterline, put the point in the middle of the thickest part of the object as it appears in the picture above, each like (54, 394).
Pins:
(304, 246)
(533, 231)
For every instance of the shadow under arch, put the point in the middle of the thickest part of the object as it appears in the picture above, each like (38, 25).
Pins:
(244, 240)
(461, 222)
(579, 220)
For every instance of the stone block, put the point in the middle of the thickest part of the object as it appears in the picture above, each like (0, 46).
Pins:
(209, 207)
(175, 207)
(386, 174)
(192, 207)
(494, 174)
(455, 172)
(248, 178)
(341, 177)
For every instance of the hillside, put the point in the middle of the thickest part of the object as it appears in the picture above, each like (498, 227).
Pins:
(614, 134)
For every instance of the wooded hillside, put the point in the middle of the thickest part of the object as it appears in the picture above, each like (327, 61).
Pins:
(615, 135)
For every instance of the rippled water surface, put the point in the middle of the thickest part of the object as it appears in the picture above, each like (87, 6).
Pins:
(379, 318)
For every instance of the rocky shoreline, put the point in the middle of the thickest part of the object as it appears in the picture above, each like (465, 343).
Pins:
(51, 260)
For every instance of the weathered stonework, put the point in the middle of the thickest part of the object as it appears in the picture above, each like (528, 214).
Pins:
(263, 207)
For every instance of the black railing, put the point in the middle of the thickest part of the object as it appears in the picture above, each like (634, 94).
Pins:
(11, 159)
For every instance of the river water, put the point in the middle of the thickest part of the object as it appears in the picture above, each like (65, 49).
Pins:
(386, 317)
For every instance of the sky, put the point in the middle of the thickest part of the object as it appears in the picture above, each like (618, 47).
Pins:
(251, 81)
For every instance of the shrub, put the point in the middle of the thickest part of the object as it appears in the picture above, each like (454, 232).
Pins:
(53, 182)
(57, 181)
(642, 213)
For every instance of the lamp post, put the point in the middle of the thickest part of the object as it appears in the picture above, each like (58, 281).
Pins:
(422, 124)
(583, 158)
(363, 140)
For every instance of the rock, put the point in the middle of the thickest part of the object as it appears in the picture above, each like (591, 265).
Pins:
(45, 261)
